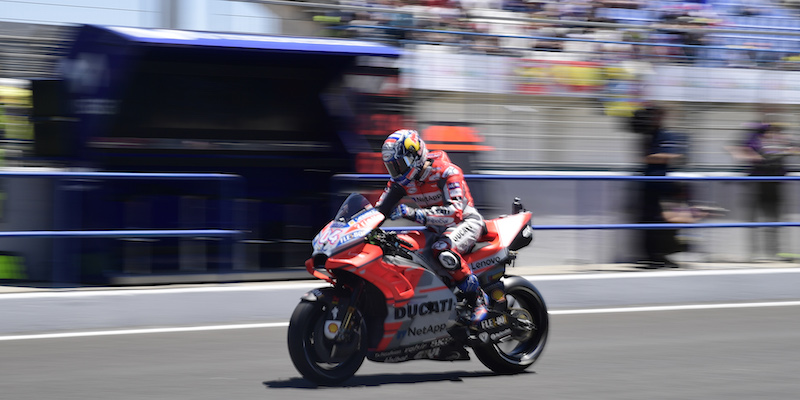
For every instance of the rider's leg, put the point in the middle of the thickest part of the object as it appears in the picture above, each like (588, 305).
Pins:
(465, 280)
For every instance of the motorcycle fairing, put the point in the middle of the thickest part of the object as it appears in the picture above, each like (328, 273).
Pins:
(365, 261)
(421, 317)
(417, 239)
(444, 348)
(415, 296)
(351, 259)
(338, 235)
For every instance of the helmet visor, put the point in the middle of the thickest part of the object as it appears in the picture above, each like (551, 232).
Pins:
(398, 167)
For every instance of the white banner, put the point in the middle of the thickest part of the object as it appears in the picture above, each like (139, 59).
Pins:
(454, 72)
(725, 85)
(459, 72)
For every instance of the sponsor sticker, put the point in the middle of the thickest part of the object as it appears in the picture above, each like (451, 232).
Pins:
(429, 307)
(496, 322)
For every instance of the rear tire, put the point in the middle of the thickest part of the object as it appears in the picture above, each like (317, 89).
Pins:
(518, 353)
(311, 351)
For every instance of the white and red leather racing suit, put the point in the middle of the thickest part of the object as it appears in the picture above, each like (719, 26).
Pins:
(445, 206)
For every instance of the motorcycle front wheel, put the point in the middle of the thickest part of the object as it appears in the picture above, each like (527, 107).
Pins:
(319, 359)
(520, 350)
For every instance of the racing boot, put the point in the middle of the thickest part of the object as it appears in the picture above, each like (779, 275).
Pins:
(476, 299)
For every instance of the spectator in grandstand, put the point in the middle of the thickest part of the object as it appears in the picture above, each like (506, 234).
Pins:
(575, 10)
(691, 37)
(396, 22)
(520, 6)
(2, 115)
(548, 33)
(634, 4)
(678, 28)
(765, 149)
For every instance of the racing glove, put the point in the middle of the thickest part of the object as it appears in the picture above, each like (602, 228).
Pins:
(404, 211)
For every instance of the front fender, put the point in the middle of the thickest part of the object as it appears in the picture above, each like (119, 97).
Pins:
(335, 302)
(327, 295)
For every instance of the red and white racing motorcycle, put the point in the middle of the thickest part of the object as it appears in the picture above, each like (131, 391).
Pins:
(389, 301)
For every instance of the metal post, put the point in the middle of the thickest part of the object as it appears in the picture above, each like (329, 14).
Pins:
(58, 273)
(229, 257)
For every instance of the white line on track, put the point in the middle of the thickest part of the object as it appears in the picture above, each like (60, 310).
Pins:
(68, 293)
(141, 331)
(284, 324)
(308, 285)
(673, 308)
(662, 274)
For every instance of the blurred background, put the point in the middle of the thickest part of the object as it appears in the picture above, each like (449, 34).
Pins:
(290, 95)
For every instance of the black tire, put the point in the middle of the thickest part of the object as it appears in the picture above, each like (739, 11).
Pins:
(310, 350)
(518, 353)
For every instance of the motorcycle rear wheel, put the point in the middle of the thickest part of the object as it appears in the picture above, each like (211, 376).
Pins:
(312, 353)
(518, 353)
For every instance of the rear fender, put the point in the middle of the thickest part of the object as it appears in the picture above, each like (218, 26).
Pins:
(510, 281)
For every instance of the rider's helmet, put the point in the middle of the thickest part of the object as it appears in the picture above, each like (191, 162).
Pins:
(404, 155)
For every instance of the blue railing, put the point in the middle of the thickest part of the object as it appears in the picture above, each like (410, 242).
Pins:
(339, 179)
(63, 267)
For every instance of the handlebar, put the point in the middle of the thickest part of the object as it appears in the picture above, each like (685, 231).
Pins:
(404, 243)
(388, 242)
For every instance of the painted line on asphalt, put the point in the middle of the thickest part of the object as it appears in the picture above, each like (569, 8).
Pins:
(675, 308)
(135, 292)
(143, 331)
(662, 274)
(308, 285)
(285, 324)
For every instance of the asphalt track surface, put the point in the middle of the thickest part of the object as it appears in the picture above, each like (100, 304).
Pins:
(709, 333)
(27, 311)
(693, 353)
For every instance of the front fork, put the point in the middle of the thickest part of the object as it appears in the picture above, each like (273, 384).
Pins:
(344, 342)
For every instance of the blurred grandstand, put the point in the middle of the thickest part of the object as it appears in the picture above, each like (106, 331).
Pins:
(578, 126)
(503, 85)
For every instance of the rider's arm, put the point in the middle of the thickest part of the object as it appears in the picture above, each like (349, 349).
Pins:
(390, 197)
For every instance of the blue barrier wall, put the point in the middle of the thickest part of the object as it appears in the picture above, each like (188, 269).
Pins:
(50, 219)
(590, 219)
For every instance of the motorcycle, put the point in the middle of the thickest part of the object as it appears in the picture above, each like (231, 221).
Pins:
(390, 301)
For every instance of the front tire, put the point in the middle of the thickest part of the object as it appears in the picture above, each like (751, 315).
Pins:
(312, 353)
(521, 351)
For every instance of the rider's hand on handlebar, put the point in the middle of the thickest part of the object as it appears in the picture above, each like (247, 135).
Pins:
(403, 211)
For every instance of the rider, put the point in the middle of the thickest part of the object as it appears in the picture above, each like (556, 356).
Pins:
(438, 188)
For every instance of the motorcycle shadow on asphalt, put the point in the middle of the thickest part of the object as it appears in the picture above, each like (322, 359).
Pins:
(386, 379)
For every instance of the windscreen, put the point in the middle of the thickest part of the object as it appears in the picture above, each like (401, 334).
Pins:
(354, 204)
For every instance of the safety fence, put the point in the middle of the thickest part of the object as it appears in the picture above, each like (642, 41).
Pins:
(613, 203)
(470, 177)
(67, 205)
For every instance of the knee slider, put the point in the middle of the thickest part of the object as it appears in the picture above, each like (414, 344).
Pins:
(450, 260)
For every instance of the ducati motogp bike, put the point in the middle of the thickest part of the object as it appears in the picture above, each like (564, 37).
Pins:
(390, 301)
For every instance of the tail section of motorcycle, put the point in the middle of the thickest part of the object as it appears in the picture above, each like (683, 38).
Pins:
(515, 332)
